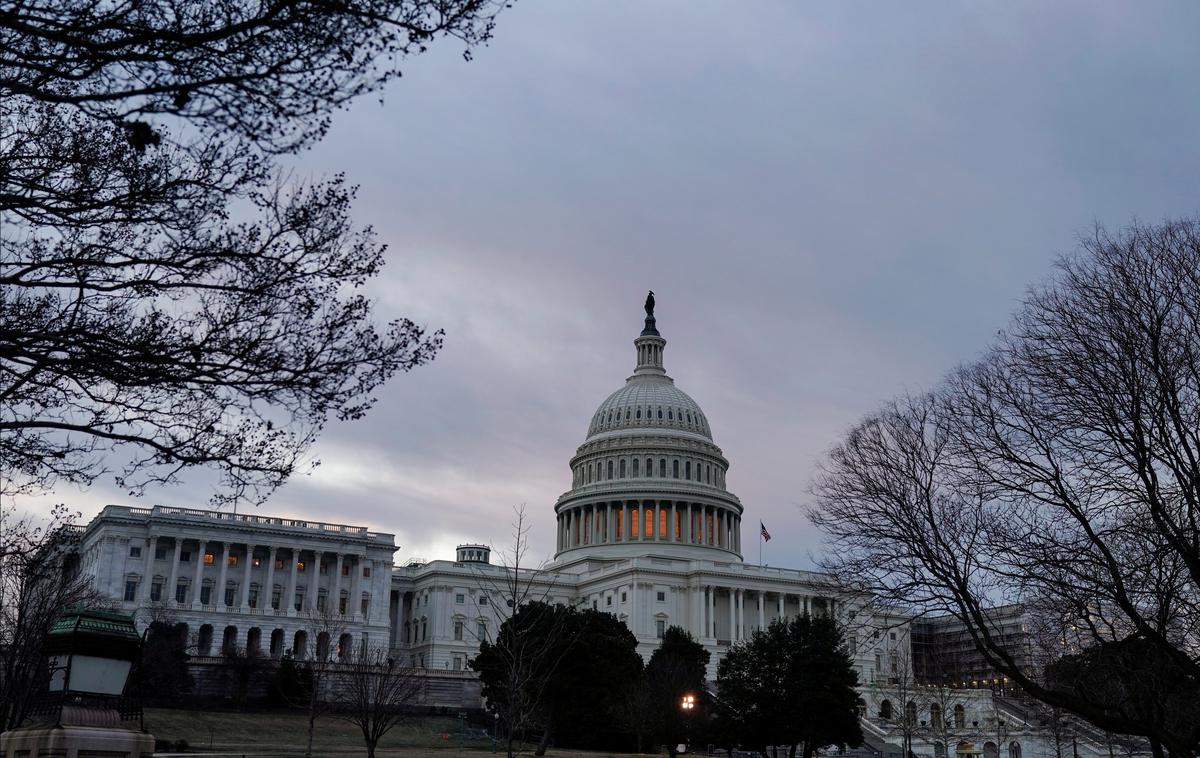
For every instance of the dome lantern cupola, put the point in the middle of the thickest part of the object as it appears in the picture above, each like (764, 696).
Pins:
(650, 344)
(648, 479)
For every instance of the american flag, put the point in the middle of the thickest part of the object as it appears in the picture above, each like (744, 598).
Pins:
(763, 531)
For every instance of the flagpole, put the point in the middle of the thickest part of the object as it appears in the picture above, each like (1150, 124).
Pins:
(760, 541)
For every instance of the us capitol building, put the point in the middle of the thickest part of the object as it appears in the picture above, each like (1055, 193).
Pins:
(648, 532)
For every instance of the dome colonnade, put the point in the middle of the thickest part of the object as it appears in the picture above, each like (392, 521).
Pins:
(649, 472)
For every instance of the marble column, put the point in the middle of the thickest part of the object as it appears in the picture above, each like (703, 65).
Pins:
(246, 582)
(314, 580)
(711, 623)
(780, 600)
(762, 615)
(148, 579)
(269, 588)
(174, 575)
(732, 616)
(290, 603)
(223, 576)
(198, 581)
(357, 588)
(336, 598)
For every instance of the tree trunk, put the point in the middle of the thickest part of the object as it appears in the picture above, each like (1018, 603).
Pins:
(312, 726)
(1156, 748)
(509, 746)
(543, 743)
(370, 749)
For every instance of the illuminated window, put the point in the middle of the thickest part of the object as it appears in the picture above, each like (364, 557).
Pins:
(278, 563)
(345, 569)
(257, 562)
(209, 559)
(662, 523)
(649, 532)
(233, 560)
(300, 566)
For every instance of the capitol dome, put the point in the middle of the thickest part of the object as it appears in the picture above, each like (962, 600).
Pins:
(648, 478)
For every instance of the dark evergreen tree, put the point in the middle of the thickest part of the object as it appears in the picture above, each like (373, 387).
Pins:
(676, 669)
(570, 670)
(162, 674)
(792, 684)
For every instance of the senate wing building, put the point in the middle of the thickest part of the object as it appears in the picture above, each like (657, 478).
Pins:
(648, 531)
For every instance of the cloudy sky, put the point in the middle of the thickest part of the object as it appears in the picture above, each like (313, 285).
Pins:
(833, 202)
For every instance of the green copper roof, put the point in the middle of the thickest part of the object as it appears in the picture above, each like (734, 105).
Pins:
(82, 621)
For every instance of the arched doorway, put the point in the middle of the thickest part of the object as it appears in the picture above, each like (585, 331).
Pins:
(276, 643)
(910, 713)
(323, 646)
(1014, 750)
(300, 645)
(991, 750)
(345, 647)
(204, 640)
(935, 718)
(885, 709)
(229, 640)
(253, 640)
(960, 716)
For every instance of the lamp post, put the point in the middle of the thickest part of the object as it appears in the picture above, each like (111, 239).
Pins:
(687, 704)
(89, 657)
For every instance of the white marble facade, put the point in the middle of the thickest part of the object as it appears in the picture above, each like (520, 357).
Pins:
(246, 580)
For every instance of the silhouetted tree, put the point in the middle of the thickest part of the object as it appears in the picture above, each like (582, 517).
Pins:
(162, 675)
(375, 692)
(1061, 471)
(600, 666)
(675, 669)
(38, 581)
(791, 684)
(163, 290)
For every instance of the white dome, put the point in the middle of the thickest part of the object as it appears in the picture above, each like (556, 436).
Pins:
(649, 402)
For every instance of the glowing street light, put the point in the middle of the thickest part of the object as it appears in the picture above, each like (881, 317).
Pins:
(688, 702)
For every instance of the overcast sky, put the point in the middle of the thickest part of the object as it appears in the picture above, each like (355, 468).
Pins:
(833, 202)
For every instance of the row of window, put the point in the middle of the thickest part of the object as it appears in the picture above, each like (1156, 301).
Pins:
(232, 598)
(584, 528)
(299, 648)
(210, 559)
(418, 630)
(887, 712)
(615, 416)
(622, 468)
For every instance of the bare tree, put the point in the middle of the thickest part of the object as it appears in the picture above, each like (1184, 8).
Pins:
(375, 693)
(322, 623)
(37, 582)
(898, 685)
(516, 667)
(136, 317)
(1060, 472)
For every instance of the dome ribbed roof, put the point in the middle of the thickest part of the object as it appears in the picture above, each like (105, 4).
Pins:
(646, 403)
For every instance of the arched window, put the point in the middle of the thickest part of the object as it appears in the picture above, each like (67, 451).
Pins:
(626, 414)
(910, 713)
(253, 639)
(991, 750)
(622, 467)
(229, 640)
(687, 470)
(960, 716)
(885, 710)
(675, 468)
(662, 468)
(649, 467)
(935, 717)
(635, 466)
(589, 478)
(660, 414)
(300, 645)
(939, 750)
(639, 412)
(610, 417)
(204, 643)
(323, 646)
(669, 416)
(276, 643)
(1014, 750)
(610, 469)
(345, 647)
(708, 473)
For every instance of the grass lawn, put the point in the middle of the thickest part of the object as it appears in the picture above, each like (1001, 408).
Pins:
(284, 734)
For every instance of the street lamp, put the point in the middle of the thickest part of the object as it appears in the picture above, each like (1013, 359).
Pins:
(688, 703)
(89, 655)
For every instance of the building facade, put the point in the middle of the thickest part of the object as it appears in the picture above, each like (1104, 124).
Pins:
(647, 531)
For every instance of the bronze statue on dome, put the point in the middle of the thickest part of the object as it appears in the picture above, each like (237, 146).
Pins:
(650, 305)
